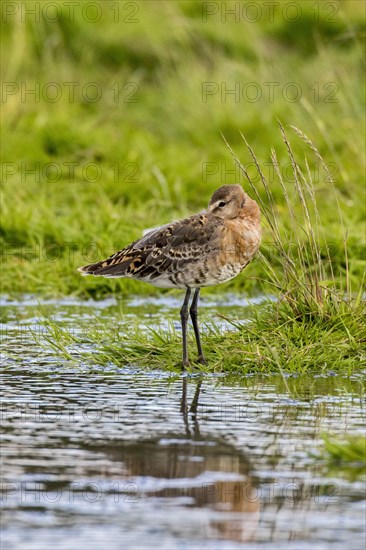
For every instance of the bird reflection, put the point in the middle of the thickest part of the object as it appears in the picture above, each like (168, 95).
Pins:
(192, 409)
(197, 471)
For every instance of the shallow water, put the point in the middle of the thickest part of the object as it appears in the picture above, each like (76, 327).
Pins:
(130, 458)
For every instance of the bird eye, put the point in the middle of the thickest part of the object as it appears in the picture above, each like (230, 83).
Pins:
(222, 204)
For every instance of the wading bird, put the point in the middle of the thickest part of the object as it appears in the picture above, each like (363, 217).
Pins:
(208, 248)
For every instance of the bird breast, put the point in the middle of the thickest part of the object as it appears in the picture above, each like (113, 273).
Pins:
(242, 240)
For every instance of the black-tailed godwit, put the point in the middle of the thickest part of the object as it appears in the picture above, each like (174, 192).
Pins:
(208, 248)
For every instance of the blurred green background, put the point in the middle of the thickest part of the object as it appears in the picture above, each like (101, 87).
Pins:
(112, 115)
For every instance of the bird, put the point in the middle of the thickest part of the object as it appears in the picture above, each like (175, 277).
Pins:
(207, 248)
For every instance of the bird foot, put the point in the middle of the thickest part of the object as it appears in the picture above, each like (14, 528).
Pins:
(201, 359)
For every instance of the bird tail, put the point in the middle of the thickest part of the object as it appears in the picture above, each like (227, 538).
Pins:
(114, 266)
(90, 269)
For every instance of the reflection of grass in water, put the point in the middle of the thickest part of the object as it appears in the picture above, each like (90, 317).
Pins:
(345, 457)
(170, 133)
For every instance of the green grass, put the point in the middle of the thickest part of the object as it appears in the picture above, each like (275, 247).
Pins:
(168, 143)
(273, 342)
(315, 326)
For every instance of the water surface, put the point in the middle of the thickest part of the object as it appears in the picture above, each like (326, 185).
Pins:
(132, 458)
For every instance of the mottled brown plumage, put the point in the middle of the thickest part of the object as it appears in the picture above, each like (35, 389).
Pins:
(205, 249)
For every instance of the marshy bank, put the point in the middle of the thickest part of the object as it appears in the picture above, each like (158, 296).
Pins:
(315, 320)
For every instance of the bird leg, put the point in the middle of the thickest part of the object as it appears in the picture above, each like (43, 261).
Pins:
(194, 314)
(184, 320)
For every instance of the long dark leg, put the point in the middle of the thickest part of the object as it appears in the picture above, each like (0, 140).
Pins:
(184, 319)
(194, 314)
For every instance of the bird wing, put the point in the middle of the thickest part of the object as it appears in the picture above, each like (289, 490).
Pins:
(166, 249)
